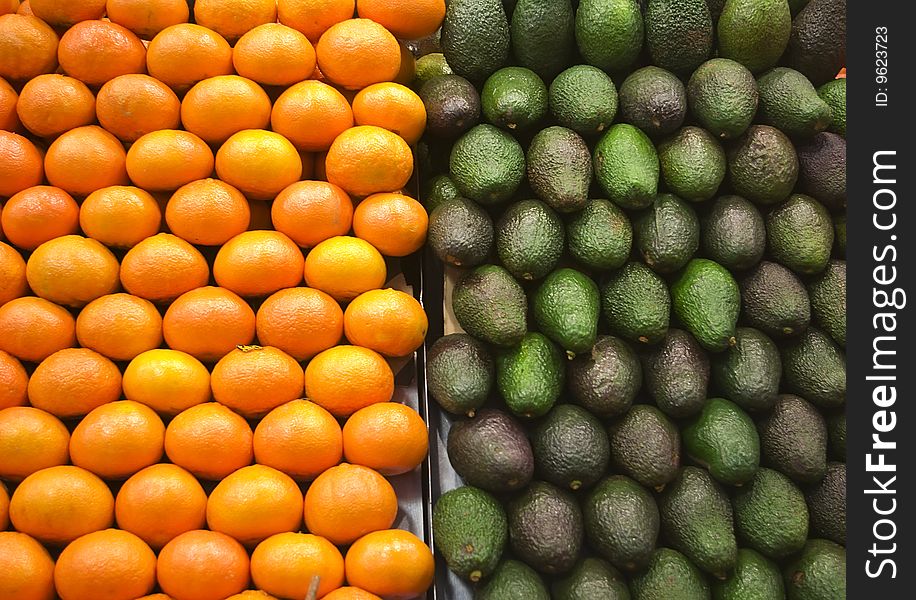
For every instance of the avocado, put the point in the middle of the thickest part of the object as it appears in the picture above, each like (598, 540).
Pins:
(722, 95)
(836, 433)
(733, 233)
(470, 531)
(771, 515)
(513, 580)
(723, 439)
(749, 372)
(530, 375)
(621, 522)
(609, 33)
(817, 46)
(452, 105)
(490, 305)
(545, 528)
(707, 301)
(584, 99)
(692, 164)
(459, 373)
(487, 165)
(460, 233)
(800, 234)
(679, 34)
(429, 66)
(827, 504)
(677, 374)
(437, 190)
(606, 380)
(591, 579)
(491, 451)
(514, 98)
(571, 448)
(814, 367)
(646, 446)
(529, 239)
(839, 235)
(475, 37)
(669, 575)
(789, 102)
(763, 165)
(636, 303)
(559, 168)
(654, 100)
(755, 578)
(566, 308)
(822, 169)
(667, 233)
(754, 32)
(775, 301)
(544, 35)
(819, 572)
(834, 94)
(696, 518)
(600, 235)
(626, 166)
(793, 440)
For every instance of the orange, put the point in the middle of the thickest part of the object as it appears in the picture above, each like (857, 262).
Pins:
(119, 326)
(259, 163)
(31, 440)
(358, 52)
(408, 69)
(207, 212)
(298, 438)
(52, 104)
(39, 214)
(253, 380)
(209, 440)
(391, 106)
(300, 321)
(9, 7)
(32, 329)
(255, 503)
(311, 115)
(130, 106)
(20, 161)
(274, 54)
(13, 283)
(120, 216)
(72, 270)
(181, 55)
(14, 382)
(344, 267)
(217, 107)
(159, 503)
(59, 504)
(163, 161)
(393, 564)
(168, 381)
(26, 568)
(388, 321)
(406, 19)
(146, 18)
(394, 223)
(116, 440)
(351, 593)
(105, 565)
(285, 564)
(234, 18)
(258, 263)
(73, 381)
(163, 267)
(310, 212)
(208, 323)
(344, 379)
(202, 565)
(313, 17)
(368, 159)
(388, 437)
(9, 120)
(84, 160)
(97, 51)
(66, 14)
(28, 47)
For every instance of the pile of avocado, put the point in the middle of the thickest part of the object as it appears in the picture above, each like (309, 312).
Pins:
(646, 200)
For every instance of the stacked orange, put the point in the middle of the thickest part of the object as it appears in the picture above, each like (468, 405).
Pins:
(194, 220)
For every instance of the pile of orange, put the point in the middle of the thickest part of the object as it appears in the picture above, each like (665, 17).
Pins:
(195, 331)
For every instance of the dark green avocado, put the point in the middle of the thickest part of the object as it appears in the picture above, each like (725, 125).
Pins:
(459, 373)
(774, 301)
(460, 233)
(545, 528)
(733, 233)
(667, 233)
(621, 522)
(654, 100)
(490, 305)
(529, 239)
(491, 451)
(470, 531)
(677, 374)
(571, 448)
(606, 380)
(599, 236)
(646, 446)
(749, 372)
(636, 303)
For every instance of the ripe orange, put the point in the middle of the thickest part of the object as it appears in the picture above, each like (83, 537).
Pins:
(14, 382)
(208, 323)
(26, 568)
(203, 565)
(284, 565)
(274, 54)
(116, 440)
(255, 503)
(31, 440)
(298, 438)
(313, 17)
(105, 565)
(388, 437)
(348, 501)
(168, 381)
(163, 161)
(391, 106)
(9, 120)
(209, 440)
(163, 267)
(20, 162)
(388, 321)
(119, 326)
(13, 283)
(38, 214)
(120, 216)
(368, 159)
(311, 115)
(207, 212)
(406, 19)
(28, 47)
(300, 321)
(234, 18)
(72, 270)
(97, 51)
(351, 593)
(52, 104)
(66, 14)
(73, 381)
(259, 163)
(310, 212)
(32, 329)
(253, 380)
(258, 263)
(391, 564)
(344, 379)
(59, 504)
(394, 223)
(181, 55)
(146, 18)
(358, 52)
(218, 107)
(86, 159)
(130, 106)
(344, 267)
(159, 503)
